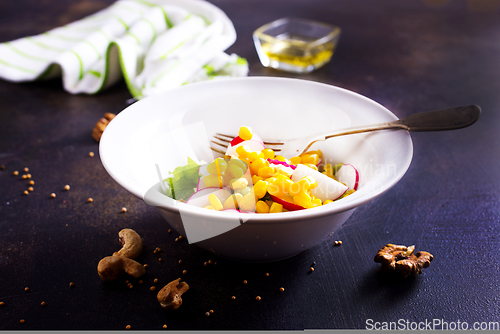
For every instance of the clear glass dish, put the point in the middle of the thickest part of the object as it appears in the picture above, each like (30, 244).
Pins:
(296, 45)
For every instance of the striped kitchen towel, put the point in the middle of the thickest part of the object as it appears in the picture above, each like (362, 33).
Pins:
(155, 45)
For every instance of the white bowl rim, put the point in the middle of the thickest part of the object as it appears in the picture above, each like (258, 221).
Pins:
(345, 204)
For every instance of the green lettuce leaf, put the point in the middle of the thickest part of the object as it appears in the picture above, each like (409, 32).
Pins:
(183, 181)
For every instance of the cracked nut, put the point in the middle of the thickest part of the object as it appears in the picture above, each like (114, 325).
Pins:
(101, 125)
(401, 259)
(170, 295)
(131, 244)
(112, 267)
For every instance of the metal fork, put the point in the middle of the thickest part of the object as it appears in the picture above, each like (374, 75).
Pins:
(436, 120)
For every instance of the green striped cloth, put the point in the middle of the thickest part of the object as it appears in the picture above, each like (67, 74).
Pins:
(155, 45)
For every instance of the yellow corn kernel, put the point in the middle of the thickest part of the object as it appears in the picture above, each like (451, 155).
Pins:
(312, 166)
(315, 202)
(328, 201)
(296, 160)
(258, 164)
(282, 172)
(256, 179)
(309, 158)
(252, 156)
(287, 183)
(268, 153)
(260, 188)
(280, 158)
(211, 181)
(303, 185)
(275, 208)
(213, 169)
(277, 187)
(266, 172)
(243, 151)
(303, 199)
(235, 170)
(215, 202)
(238, 183)
(247, 203)
(232, 201)
(318, 152)
(209, 207)
(261, 207)
(311, 181)
(245, 133)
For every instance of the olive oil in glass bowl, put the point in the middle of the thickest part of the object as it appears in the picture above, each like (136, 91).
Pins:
(296, 45)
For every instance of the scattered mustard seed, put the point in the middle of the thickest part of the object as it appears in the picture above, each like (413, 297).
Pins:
(159, 259)
(215, 263)
(164, 326)
(176, 239)
(267, 274)
(180, 261)
(26, 289)
(16, 173)
(67, 187)
(32, 183)
(90, 200)
(145, 266)
(209, 261)
(207, 314)
(245, 282)
(91, 154)
(30, 189)
(139, 281)
(71, 284)
(28, 176)
(233, 297)
(211, 311)
(26, 169)
(2, 167)
(155, 280)
(53, 195)
(180, 237)
(169, 231)
(127, 327)
(153, 288)
(258, 298)
(184, 272)
(282, 289)
(124, 209)
(205, 264)
(43, 304)
(24, 177)
(26, 192)
(312, 269)
(21, 321)
(130, 286)
(2, 304)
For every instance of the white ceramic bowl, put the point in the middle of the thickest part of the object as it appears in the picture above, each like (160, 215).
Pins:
(146, 135)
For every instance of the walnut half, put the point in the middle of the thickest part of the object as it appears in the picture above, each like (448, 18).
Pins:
(401, 259)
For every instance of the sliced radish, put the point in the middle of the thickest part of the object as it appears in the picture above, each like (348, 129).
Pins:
(236, 141)
(349, 175)
(327, 188)
(200, 198)
(255, 144)
(286, 204)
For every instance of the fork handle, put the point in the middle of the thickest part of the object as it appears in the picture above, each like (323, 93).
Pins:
(436, 120)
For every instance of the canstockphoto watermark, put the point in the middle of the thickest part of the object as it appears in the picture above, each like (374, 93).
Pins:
(431, 324)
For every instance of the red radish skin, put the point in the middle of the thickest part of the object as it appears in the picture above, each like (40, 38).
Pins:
(287, 205)
(351, 183)
(236, 141)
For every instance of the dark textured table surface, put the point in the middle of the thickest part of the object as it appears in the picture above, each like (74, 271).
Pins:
(410, 56)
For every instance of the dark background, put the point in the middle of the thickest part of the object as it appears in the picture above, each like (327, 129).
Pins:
(410, 56)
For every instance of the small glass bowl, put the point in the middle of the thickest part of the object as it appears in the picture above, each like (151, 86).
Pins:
(296, 45)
